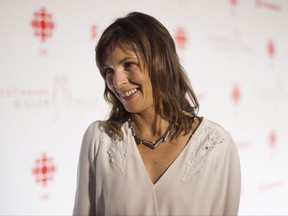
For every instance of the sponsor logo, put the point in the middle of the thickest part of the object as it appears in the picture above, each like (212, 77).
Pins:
(44, 169)
(43, 24)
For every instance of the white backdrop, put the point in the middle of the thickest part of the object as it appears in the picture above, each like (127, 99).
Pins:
(236, 55)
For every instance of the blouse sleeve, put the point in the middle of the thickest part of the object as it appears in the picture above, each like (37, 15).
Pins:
(231, 177)
(227, 179)
(85, 191)
(234, 180)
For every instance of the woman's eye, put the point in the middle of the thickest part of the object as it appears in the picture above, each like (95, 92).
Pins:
(128, 65)
(108, 71)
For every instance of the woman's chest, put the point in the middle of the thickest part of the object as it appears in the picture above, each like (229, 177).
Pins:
(157, 161)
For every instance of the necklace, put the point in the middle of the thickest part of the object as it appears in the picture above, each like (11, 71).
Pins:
(150, 144)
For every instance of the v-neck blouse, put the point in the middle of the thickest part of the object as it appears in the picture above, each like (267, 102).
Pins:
(203, 180)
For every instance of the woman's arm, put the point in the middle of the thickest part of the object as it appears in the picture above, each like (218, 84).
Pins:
(85, 193)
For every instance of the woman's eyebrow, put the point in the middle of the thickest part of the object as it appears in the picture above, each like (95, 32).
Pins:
(125, 59)
(121, 61)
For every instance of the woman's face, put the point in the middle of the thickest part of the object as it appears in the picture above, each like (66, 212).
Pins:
(128, 80)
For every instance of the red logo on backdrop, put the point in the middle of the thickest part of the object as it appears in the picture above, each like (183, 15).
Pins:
(44, 169)
(234, 2)
(271, 48)
(94, 32)
(181, 38)
(272, 5)
(272, 139)
(43, 24)
(236, 94)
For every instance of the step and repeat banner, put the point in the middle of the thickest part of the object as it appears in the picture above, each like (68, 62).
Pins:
(234, 51)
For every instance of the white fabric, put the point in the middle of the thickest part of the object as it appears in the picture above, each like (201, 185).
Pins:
(203, 180)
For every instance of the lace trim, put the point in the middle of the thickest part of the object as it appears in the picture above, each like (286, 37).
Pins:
(198, 157)
(117, 153)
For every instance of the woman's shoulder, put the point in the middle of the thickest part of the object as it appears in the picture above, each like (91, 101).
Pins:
(102, 128)
(96, 127)
(97, 135)
(213, 132)
(210, 125)
(92, 138)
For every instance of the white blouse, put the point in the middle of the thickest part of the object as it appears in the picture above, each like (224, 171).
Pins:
(203, 180)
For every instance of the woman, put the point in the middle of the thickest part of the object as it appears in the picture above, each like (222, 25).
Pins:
(153, 155)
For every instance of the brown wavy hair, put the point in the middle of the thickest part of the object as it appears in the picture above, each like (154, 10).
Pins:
(173, 96)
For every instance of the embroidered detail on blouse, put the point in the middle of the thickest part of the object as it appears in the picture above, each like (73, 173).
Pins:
(198, 157)
(117, 154)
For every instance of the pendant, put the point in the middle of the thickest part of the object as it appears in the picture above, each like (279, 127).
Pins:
(150, 144)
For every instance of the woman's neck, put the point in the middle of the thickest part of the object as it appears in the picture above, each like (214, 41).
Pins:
(149, 126)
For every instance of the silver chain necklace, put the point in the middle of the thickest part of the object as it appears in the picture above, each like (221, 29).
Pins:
(150, 144)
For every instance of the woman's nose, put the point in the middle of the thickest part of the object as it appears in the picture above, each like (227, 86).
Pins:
(119, 79)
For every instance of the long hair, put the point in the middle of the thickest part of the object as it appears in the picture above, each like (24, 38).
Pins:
(173, 96)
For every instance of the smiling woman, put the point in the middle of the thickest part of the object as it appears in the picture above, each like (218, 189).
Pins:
(153, 155)
(149, 41)
(127, 80)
